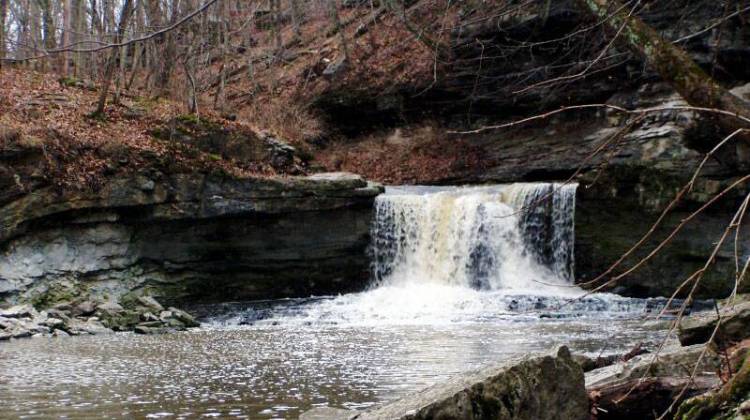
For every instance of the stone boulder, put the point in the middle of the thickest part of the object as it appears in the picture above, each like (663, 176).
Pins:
(19, 311)
(649, 383)
(735, 326)
(328, 413)
(546, 387)
(731, 401)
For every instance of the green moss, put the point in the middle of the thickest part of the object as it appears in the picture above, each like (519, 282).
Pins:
(70, 81)
(189, 118)
(721, 404)
(58, 293)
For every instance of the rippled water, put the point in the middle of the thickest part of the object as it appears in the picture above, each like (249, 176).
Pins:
(462, 279)
(285, 363)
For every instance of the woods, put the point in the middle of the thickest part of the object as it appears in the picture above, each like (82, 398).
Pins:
(331, 204)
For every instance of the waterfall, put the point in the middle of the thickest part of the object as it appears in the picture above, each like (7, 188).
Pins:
(461, 256)
(517, 236)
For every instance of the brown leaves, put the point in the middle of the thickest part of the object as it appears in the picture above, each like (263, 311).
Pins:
(82, 152)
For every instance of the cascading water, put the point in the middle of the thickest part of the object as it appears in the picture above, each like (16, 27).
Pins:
(447, 255)
(461, 277)
(511, 237)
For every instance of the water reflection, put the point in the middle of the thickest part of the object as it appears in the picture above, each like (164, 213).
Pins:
(270, 371)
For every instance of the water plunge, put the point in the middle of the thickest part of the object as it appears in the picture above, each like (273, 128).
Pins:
(458, 255)
(461, 277)
(515, 237)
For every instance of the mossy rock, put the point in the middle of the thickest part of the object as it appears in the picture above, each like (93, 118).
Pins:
(720, 405)
(121, 321)
(60, 292)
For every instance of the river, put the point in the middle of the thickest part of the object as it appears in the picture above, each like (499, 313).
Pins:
(462, 277)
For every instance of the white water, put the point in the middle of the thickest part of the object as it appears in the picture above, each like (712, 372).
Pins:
(460, 255)
(517, 237)
(463, 278)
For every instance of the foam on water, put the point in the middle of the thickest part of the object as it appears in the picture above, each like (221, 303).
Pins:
(462, 277)
(515, 237)
(446, 255)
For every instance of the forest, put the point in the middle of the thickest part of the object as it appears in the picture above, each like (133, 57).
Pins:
(375, 209)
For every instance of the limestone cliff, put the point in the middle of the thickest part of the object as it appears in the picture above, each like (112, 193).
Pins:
(189, 236)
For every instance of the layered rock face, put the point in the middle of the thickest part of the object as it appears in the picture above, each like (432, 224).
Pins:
(632, 179)
(185, 237)
(625, 187)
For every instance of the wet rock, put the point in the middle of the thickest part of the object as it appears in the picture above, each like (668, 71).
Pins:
(151, 330)
(547, 387)
(109, 308)
(644, 385)
(734, 327)
(343, 179)
(590, 363)
(91, 326)
(63, 306)
(58, 314)
(53, 323)
(320, 223)
(7, 323)
(19, 311)
(184, 317)
(150, 303)
(124, 320)
(670, 361)
(85, 308)
(148, 317)
(60, 333)
(328, 413)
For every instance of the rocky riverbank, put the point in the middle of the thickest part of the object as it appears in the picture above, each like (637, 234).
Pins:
(141, 314)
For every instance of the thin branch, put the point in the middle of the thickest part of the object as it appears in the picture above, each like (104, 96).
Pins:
(150, 36)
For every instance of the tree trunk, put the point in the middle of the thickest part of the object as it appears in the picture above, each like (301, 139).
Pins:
(278, 44)
(339, 28)
(111, 63)
(3, 15)
(48, 25)
(34, 30)
(66, 34)
(296, 20)
(672, 63)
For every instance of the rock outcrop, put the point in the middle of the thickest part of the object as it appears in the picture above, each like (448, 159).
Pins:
(183, 237)
(547, 387)
(499, 69)
(142, 314)
(650, 383)
(734, 326)
(731, 401)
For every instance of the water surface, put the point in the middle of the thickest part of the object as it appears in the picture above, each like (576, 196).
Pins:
(276, 369)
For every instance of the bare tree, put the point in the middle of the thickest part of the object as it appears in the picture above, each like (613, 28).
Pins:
(3, 17)
(296, 19)
(111, 62)
(672, 63)
(66, 33)
(334, 10)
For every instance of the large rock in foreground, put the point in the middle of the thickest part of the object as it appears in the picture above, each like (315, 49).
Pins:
(549, 387)
(181, 237)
